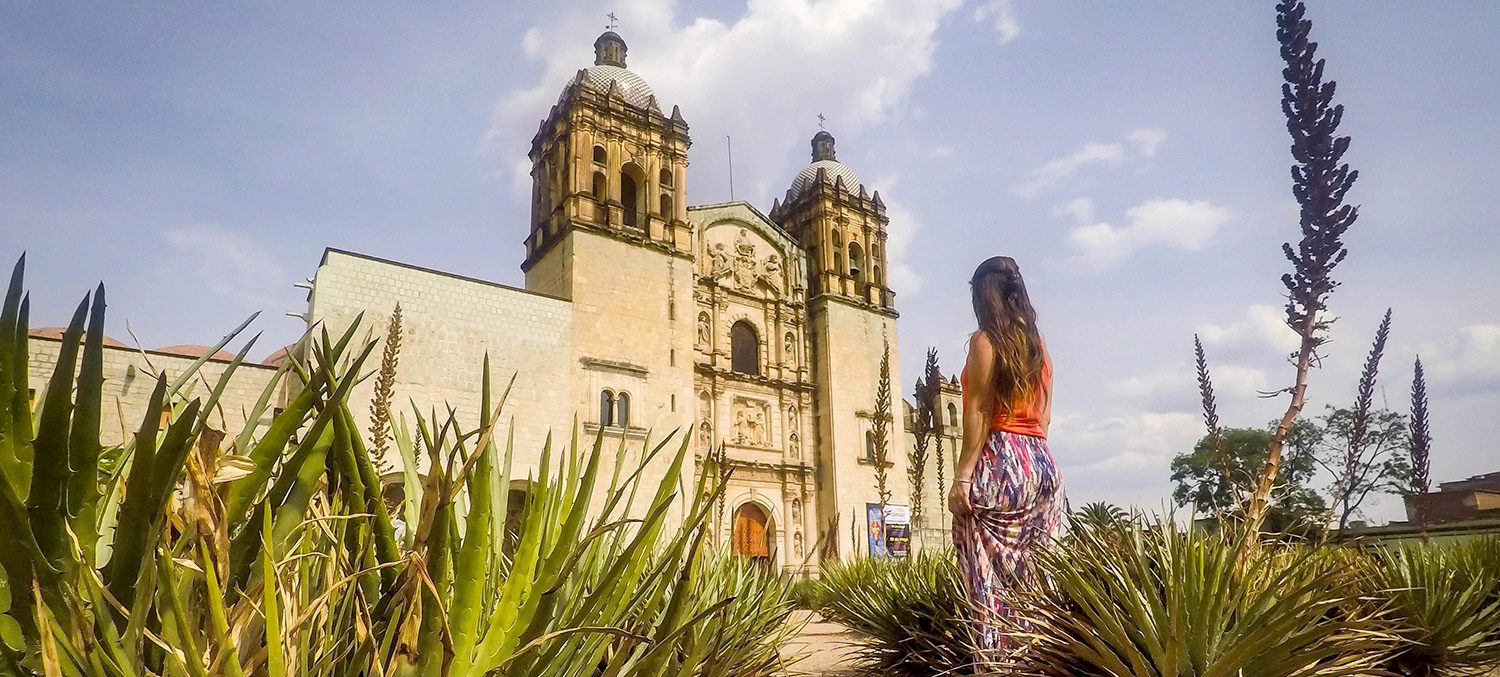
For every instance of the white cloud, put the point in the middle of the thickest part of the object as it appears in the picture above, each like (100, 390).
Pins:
(227, 264)
(1141, 143)
(940, 152)
(1135, 440)
(1080, 208)
(1002, 16)
(1262, 329)
(1179, 384)
(1146, 140)
(1467, 362)
(1172, 223)
(852, 60)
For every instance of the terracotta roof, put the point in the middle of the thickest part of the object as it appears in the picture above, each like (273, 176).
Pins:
(57, 333)
(275, 359)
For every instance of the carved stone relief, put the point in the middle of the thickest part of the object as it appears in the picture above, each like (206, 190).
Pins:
(794, 446)
(741, 266)
(790, 348)
(752, 422)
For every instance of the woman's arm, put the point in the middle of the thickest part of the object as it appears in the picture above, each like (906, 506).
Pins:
(979, 413)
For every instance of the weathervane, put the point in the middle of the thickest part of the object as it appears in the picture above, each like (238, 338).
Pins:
(614, 21)
(822, 120)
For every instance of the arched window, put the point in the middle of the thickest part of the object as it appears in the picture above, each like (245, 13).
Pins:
(600, 156)
(952, 415)
(606, 408)
(600, 187)
(622, 410)
(666, 177)
(856, 262)
(666, 206)
(631, 202)
(744, 349)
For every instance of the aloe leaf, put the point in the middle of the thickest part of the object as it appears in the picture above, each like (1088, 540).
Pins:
(144, 508)
(83, 438)
(50, 473)
(15, 419)
(267, 451)
(270, 601)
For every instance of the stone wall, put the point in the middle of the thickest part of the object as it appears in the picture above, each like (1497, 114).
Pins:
(449, 324)
(130, 378)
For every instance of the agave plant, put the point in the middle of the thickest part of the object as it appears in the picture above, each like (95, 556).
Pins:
(912, 612)
(185, 551)
(1164, 602)
(1444, 601)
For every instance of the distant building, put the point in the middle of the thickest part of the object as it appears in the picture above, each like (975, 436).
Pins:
(1475, 498)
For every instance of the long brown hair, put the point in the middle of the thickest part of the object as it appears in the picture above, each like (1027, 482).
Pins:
(1005, 316)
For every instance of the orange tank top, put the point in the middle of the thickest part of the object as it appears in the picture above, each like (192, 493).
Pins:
(1026, 417)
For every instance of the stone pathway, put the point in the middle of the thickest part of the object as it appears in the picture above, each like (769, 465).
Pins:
(828, 648)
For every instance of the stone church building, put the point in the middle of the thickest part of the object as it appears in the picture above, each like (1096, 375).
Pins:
(759, 331)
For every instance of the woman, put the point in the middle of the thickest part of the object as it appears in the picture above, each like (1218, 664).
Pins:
(1007, 498)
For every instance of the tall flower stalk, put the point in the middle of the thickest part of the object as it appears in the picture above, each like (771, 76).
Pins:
(916, 465)
(881, 428)
(385, 386)
(1421, 440)
(1211, 422)
(1354, 480)
(1319, 182)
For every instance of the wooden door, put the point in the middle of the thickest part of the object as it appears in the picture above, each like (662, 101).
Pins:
(750, 537)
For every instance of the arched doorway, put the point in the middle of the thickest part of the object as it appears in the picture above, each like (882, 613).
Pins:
(751, 535)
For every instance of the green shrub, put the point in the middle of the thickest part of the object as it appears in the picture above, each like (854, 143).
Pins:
(1156, 601)
(187, 553)
(912, 611)
(1444, 602)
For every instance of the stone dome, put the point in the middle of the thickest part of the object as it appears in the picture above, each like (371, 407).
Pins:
(609, 67)
(631, 87)
(833, 171)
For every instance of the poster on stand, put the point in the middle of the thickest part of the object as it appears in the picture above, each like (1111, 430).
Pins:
(875, 530)
(897, 530)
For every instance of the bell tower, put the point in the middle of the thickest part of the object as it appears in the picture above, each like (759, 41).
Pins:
(842, 227)
(851, 316)
(609, 232)
(606, 160)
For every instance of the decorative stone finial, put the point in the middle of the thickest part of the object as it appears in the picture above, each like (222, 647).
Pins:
(609, 50)
(822, 147)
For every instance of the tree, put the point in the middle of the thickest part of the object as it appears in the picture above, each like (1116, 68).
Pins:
(1201, 480)
(1319, 182)
(1367, 459)
(1378, 462)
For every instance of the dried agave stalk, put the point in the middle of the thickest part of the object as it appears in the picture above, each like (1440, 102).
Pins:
(385, 385)
(1421, 439)
(1211, 422)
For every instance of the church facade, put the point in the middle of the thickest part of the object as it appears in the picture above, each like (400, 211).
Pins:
(757, 335)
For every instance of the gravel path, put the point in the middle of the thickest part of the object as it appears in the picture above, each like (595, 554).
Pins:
(828, 648)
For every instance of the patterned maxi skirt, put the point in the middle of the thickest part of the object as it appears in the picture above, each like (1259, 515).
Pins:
(1018, 506)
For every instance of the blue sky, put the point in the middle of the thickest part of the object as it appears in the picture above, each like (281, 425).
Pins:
(199, 158)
